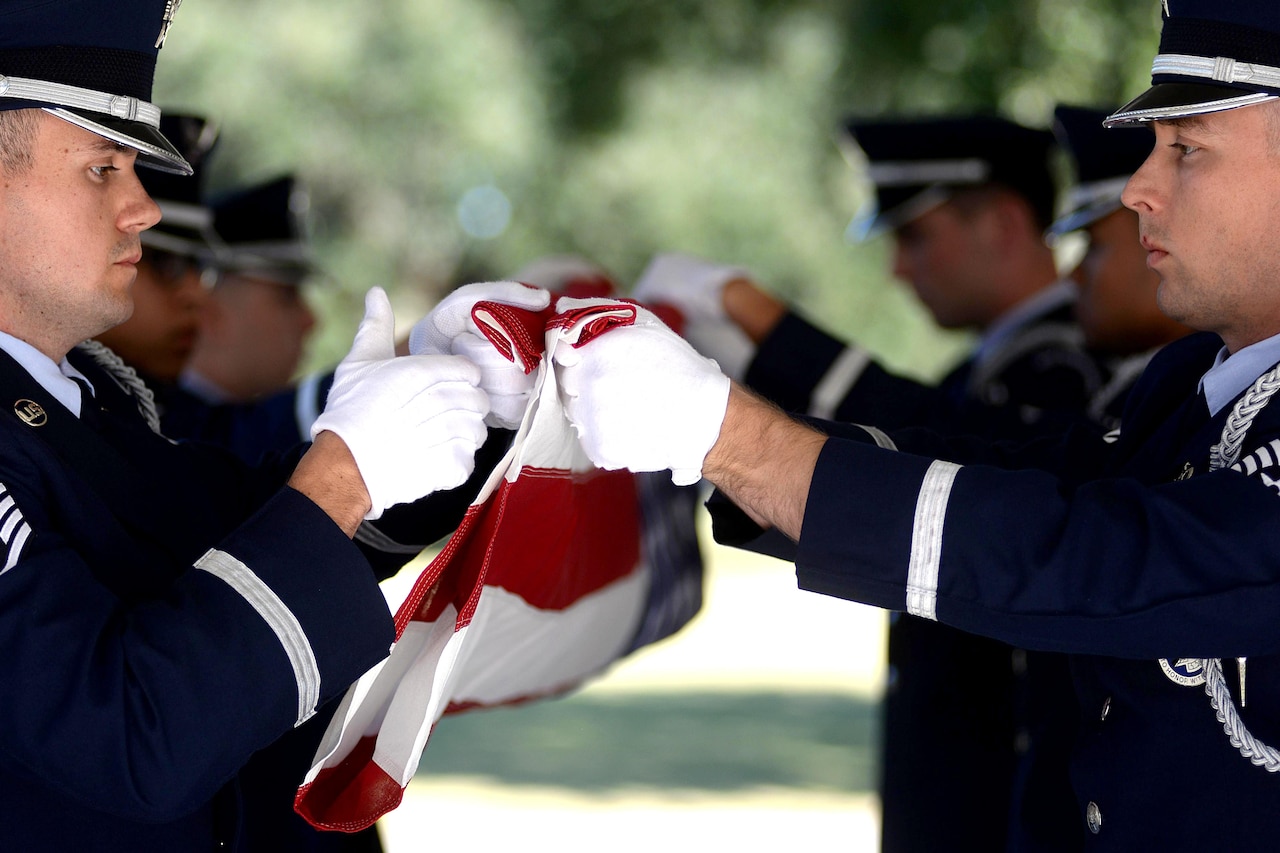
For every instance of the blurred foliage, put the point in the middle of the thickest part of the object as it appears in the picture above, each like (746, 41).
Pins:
(454, 140)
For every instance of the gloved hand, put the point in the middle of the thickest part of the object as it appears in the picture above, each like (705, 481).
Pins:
(450, 330)
(696, 288)
(640, 397)
(413, 423)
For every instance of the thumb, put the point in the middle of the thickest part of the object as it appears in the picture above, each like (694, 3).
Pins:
(375, 339)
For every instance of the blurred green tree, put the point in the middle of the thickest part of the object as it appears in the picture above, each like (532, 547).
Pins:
(451, 140)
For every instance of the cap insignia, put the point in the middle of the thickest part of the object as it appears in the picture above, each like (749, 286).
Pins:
(170, 9)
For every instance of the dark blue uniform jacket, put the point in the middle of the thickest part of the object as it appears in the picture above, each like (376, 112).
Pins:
(164, 613)
(972, 727)
(1120, 554)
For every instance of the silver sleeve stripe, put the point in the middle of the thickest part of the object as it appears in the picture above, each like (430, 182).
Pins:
(306, 404)
(926, 539)
(273, 611)
(880, 437)
(14, 531)
(834, 385)
(376, 539)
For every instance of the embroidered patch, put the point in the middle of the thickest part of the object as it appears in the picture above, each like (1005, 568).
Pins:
(1188, 672)
(1259, 461)
(14, 531)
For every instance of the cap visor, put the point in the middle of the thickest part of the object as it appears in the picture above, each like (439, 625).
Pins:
(1178, 100)
(153, 149)
(873, 222)
(1081, 217)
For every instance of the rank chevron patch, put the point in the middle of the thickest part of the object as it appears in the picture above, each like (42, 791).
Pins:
(1256, 464)
(14, 530)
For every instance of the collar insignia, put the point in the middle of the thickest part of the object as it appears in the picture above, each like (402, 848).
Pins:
(30, 412)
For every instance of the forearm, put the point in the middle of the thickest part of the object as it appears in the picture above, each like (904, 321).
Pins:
(764, 460)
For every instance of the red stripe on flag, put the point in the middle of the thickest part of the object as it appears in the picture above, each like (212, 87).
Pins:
(567, 535)
(350, 796)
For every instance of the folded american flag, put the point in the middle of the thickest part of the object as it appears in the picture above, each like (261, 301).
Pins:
(558, 570)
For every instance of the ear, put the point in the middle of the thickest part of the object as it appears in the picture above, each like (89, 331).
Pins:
(1009, 221)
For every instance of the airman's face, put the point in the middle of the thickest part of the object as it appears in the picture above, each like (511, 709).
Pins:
(946, 256)
(69, 243)
(1208, 205)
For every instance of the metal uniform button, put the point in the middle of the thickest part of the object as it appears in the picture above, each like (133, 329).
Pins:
(1106, 707)
(1093, 816)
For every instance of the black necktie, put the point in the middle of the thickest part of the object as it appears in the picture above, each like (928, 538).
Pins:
(88, 405)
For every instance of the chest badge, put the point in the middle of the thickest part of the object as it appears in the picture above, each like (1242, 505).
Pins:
(1185, 473)
(1187, 672)
(30, 413)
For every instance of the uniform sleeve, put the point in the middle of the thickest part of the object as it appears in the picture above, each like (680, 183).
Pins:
(1111, 567)
(143, 705)
(807, 371)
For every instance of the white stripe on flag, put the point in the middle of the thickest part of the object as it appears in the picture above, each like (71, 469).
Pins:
(278, 617)
(520, 651)
(926, 539)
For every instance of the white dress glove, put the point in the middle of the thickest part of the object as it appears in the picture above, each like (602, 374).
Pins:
(450, 330)
(413, 423)
(696, 288)
(640, 397)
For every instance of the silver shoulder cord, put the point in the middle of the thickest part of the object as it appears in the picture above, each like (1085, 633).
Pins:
(128, 379)
(1223, 455)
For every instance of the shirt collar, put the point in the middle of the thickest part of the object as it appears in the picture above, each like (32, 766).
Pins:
(1046, 301)
(202, 387)
(52, 377)
(1229, 377)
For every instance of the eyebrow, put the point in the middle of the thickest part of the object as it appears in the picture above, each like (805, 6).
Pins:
(104, 145)
(1195, 123)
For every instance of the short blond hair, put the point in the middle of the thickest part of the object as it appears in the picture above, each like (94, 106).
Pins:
(17, 139)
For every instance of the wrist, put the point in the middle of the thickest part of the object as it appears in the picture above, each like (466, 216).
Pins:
(329, 476)
(764, 460)
(751, 309)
